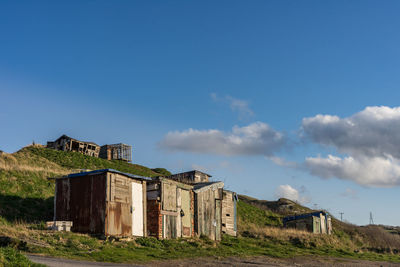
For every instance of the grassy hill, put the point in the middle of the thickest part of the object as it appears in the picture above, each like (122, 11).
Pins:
(26, 201)
(25, 192)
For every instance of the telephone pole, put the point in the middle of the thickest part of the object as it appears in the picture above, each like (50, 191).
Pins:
(341, 216)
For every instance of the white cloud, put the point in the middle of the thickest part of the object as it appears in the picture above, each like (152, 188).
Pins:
(254, 139)
(237, 105)
(370, 139)
(368, 171)
(286, 191)
(373, 131)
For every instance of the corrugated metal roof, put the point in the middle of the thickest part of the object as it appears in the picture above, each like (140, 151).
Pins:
(204, 186)
(108, 170)
(302, 216)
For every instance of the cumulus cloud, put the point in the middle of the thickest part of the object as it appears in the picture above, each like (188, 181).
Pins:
(254, 139)
(368, 171)
(238, 105)
(287, 191)
(370, 140)
(373, 131)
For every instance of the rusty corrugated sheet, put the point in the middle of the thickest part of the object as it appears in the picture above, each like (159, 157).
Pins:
(81, 200)
(119, 215)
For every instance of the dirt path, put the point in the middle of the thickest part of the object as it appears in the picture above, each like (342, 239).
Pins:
(57, 262)
(223, 262)
(267, 261)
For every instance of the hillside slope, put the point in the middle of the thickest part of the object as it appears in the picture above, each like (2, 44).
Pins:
(25, 192)
(26, 200)
(263, 213)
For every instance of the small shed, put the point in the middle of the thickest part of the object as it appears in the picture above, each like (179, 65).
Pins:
(318, 222)
(170, 209)
(105, 202)
(208, 209)
(229, 215)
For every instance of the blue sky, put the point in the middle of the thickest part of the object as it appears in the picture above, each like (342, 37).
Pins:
(244, 76)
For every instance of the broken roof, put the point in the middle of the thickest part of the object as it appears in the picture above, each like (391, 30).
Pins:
(66, 136)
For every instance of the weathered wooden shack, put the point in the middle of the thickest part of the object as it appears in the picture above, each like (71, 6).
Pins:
(116, 151)
(170, 209)
(191, 177)
(229, 215)
(208, 209)
(106, 202)
(66, 143)
(318, 222)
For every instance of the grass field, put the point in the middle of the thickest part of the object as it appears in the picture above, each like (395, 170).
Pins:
(26, 202)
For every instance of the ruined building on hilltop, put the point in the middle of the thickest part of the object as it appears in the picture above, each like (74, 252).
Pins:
(66, 143)
(116, 151)
(110, 152)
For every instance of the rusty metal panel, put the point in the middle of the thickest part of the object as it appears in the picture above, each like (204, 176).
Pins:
(62, 200)
(119, 219)
(98, 203)
(81, 200)
(169, 197)
(119, 216)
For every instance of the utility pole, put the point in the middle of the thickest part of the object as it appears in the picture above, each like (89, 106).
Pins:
(341, 216)
(371, 220)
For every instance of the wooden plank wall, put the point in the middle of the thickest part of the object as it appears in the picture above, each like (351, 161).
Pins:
(205, 219)
(228, 213)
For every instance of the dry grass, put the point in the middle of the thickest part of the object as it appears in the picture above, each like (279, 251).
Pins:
(23, 162)
(302, 238)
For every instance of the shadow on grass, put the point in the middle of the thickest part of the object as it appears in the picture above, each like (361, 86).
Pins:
(30, 210)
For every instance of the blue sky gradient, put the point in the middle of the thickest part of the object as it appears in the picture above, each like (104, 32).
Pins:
(134, 71)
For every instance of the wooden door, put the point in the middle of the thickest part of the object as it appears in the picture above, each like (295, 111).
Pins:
(187, 216)
(137, 209)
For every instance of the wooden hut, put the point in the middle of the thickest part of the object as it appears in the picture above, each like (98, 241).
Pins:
(208, 209)
(318, 222)
(170, 209)
(229, 215)
(105, 202)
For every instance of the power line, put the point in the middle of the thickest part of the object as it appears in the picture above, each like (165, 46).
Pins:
(341, 216)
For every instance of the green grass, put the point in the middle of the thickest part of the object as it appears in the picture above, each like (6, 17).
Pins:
(74, 160)
(78, 246)
(27, 196)
(12, 257)
(248, 213)
(25, 192)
